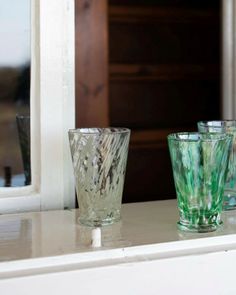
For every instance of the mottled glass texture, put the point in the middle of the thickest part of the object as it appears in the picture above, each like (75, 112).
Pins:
(229, 127)
(99, 158)
(199, 163)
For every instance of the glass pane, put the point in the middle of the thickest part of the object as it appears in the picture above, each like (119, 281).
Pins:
(14, 93)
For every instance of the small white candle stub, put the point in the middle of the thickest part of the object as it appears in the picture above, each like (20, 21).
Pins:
(96, 240)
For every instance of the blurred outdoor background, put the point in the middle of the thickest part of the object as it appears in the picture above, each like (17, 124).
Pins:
(14, 85)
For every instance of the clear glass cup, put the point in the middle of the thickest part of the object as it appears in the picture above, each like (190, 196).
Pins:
(199, 163)
(99, 157)
(229, 127)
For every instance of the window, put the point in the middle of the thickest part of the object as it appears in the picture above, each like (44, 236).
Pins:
(52, 111)
(15, 93)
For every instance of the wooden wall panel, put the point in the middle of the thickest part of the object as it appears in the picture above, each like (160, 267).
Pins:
(163, 104)
(161, 43)
(149, 169)
(164, 70)
(202, 4)
(91, 63)
(164, 76)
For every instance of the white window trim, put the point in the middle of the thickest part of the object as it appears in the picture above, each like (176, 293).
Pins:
(52, 111)
(228, 59)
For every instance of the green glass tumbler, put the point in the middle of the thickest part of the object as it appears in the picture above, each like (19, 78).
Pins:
(99, 157)
(199, 163)
(229, 127)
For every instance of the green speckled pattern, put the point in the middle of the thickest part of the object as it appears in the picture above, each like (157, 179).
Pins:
(229, 127)
(199, 163)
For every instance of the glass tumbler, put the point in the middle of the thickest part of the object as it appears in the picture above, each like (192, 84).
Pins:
(23, 127)
(229, 127)
(99, 157)
(199, 163)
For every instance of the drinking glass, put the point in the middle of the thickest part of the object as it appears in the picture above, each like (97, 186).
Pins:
(199, 163)
(99, 157)
(229, 127)
(23, 128)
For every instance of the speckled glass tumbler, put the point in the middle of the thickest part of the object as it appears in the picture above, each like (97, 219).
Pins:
(229, 127)
(199, 163)
(99, 157)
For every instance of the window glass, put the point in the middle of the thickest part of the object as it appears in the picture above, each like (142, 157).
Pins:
(15, 93)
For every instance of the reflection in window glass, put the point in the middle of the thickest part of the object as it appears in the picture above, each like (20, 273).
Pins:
(14, 92)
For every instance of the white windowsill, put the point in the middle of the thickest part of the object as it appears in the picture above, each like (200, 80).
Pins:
(143, 254)
(52, 241)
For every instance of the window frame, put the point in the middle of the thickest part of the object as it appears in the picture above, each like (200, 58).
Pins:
(52, 111)
(228, 59)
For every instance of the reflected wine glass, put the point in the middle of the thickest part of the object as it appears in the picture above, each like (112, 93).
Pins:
(23, 128)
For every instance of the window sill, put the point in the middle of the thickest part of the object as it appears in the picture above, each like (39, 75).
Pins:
(52, 242)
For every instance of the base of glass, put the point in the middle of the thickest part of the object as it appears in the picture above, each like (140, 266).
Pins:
(98, 223)
(200, 228)
(229, 200)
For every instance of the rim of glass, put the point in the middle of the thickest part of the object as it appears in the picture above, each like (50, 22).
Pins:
(218, 123)
(98, 130)
(22, 116)
(211, 136)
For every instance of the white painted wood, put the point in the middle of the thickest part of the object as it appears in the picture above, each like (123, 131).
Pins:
(52, 111)
(228, 59)
(147, 231)
(145, 254)
(57, 102)
(199, 274)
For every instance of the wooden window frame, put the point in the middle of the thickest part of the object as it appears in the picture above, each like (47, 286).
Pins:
(52, 111)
